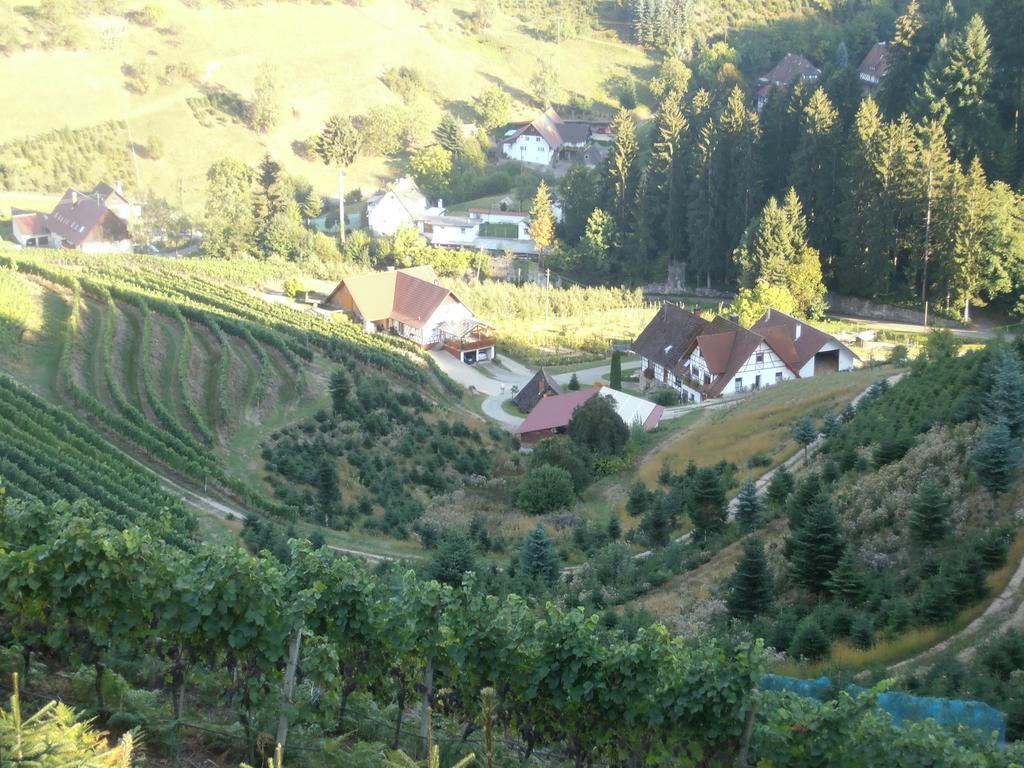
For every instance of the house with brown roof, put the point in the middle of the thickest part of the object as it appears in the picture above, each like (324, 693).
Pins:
(536, 389)
(872, 69)
(703, 358)
(804, 348)
(791, 68)
(411, 303)
(92, 222)
(545, 138)
(551, 415)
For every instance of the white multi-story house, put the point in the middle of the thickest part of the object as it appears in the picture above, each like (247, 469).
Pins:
(711, 358)
(402, 204)
(545, 139)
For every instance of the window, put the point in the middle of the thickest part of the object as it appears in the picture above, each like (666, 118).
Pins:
(778, 376)
(757, 381)
(739, 383)
(760, 357)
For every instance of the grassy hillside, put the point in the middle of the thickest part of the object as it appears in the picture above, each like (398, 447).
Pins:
(330, 59)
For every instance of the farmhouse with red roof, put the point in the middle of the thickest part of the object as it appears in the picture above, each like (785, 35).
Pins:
(703, 358)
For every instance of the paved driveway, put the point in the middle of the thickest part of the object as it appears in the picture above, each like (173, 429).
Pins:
(498, 381)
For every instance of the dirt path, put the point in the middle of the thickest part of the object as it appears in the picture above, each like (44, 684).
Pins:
(220, 510)
(1006, 608)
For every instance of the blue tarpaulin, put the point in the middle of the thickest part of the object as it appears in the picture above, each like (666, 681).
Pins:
(951, 713)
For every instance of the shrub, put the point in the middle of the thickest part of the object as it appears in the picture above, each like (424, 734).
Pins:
(560, 452)
(809, 642)
(544, 489)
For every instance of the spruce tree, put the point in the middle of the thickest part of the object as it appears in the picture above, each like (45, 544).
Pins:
(574, 383)
(996, 458)
(846, 581)
(803, 500)
(707, 503)
(809, 641)
(337, 145)
(816, 547)
(750, 588)
(623, 174)
(779, 488)
(1006, 396)
(908, 54)
(448, 134)
(929, 513)
(815, 170)
(749, 507)
(328, 489)
(804, 433)
(340, 387)
(665, 202)
(537, 558)
(657, 526)
(640, 499)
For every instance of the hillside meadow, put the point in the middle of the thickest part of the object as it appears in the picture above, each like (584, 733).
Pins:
(330, 59)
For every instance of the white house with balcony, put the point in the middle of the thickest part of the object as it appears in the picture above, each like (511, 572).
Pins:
(703, 358)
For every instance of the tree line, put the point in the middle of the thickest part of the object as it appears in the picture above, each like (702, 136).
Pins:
(909, 194)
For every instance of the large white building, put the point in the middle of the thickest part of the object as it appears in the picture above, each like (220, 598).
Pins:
(703, 358)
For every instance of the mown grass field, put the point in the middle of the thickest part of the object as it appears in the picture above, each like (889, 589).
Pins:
(759, 425)
(330, 58)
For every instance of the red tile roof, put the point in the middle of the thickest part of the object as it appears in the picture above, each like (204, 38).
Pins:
(876, 62)
(725, 350)
(792, 66)
(554, 412)
(670, 335)
(779, 330)
(29, 224)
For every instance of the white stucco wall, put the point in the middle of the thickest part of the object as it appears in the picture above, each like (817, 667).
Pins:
(387, 216)
(771, 371)
(448, 234)
(529, 148)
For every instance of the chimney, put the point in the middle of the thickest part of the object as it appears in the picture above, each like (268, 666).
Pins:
(796, 333)
(74, 197)
(768, 314)
(440, 203)
(119, 187)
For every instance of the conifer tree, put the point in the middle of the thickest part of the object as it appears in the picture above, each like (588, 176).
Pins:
(750, 588)
(749, 507)
(929, 513)
(996, 458)
(781, 131)
(908, 55)
(337, 145)
(955, 87)
(449, 135)
(623, 173)
(816, 547)
(542, 219)
(846, 581)
(780, 487)
(739, 193)
(340, 388)
(934, 170)
(615, 374)
(665, 202)
(804, 433)
(537, 558)
(328, 489)
(707, 503)
(815, 169)
(977, 269)
(803, 500)
(598, 244)
(574, 382)
(656, 525)
(1006, 396)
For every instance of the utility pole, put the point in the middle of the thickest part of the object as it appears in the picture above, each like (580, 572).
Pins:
(547, 296)
(558, 48)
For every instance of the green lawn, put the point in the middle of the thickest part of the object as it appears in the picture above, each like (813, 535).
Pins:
(332, 62)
